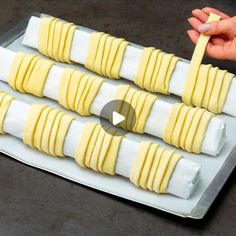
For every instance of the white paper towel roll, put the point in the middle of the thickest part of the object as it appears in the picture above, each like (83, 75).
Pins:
(182, 183)
(130, 61)
(156, 122)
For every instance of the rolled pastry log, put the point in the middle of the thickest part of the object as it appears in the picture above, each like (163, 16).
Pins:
(213, 140)
(131, 59)
(182, 182)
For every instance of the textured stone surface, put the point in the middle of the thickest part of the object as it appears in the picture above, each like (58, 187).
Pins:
(33, 202)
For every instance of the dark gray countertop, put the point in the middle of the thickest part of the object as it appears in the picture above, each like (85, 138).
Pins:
(33, 202)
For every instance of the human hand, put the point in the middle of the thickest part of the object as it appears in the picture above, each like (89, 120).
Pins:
(222, 44)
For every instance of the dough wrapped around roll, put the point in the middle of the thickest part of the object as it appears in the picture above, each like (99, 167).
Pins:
(87, 94)
(204, 86)
(56, 133)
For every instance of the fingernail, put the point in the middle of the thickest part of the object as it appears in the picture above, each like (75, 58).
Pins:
(204, 28)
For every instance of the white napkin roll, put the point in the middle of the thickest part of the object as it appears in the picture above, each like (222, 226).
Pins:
(156, 122)
(183, 180)
(130, 61)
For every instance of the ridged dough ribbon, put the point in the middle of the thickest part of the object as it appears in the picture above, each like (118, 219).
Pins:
(155, 70)
(186, 127)
(206, 86)
(78, 90)
(55, 38)
(105, 54)
(98, 149)
(153, 167)
(46, 129)
(140, 101)
(29, 73)
(5, 102)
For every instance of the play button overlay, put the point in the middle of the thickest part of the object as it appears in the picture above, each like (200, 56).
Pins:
(117, 117)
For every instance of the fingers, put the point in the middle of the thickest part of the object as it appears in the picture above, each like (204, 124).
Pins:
(221, 31)
(208, 10)
(217, 40)
(203, 14)
(194, 22)
(226, 26)
(215, 51)
(200, 15)
(193, 35)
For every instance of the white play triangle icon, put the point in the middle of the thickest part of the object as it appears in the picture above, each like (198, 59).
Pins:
(117, 118)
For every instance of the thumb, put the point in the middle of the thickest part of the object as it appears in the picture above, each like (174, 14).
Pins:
(226, 26)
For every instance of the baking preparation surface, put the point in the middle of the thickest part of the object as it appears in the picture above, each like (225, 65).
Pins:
(61, 207)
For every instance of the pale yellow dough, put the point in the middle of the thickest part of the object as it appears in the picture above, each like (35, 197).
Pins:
(46, 129)
(78, 90)
(186, 127)
(140, 101)
(5, 102)
(196, 62)
(55, 38)
(206, 86)
(97, 149)
(105, 54)
(153, 167)
(155, 70)
(29, 73)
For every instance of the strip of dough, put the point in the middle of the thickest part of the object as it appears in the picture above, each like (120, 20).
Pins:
(140, 101)
(55, 38)
(105, 54)
(155, 70)
(46, 129)
(5, 102)
(186, 127)
(97, 149)
(153, 167)
(196, 63)
(78, 90)
(29, 73)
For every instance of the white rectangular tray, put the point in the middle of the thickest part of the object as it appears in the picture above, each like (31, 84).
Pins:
(214, 172)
